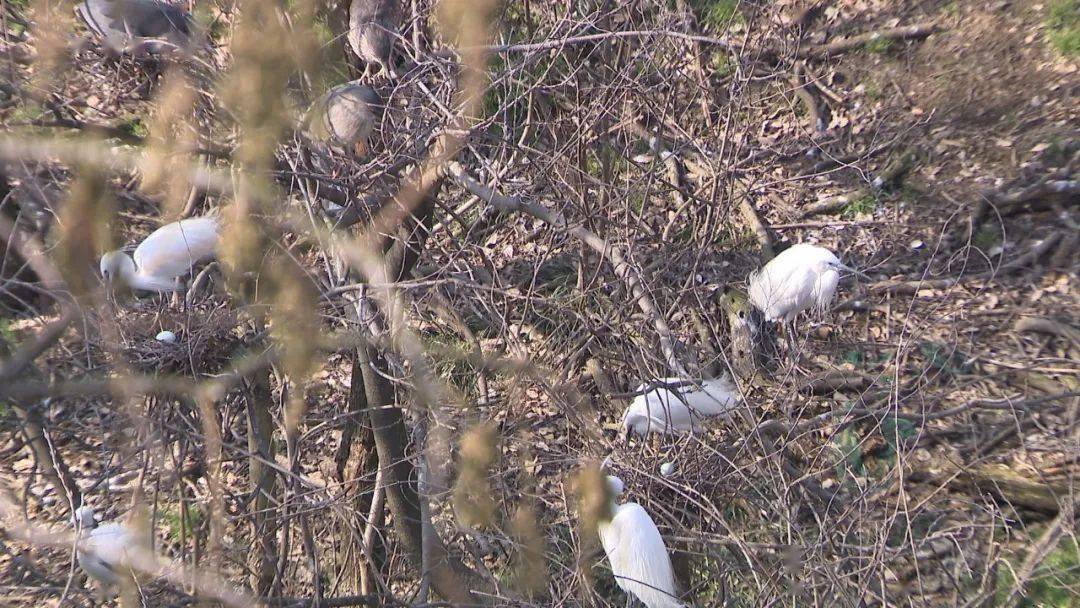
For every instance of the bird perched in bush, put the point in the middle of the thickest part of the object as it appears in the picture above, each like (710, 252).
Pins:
(678, 408)
(345, 117)
(167, 254)
(803, 276)
(373, 26)
(104, 552)
(639, 559)
(137, 26)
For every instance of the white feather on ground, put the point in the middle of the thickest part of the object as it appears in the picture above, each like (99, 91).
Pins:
(678, 410)
(639, 559)
(803, 276)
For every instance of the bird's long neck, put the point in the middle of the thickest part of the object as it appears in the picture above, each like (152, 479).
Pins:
(137, 280)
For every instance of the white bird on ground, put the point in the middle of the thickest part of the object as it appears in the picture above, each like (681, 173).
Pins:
(166, 336)
(803, 276)
(104, 552)
(678, 408)
(639, 559)
(168, 253)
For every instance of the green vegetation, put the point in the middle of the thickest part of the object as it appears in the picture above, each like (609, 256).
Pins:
(135, 127)
(849, 455)
(878, 46)
(985, 238)
(873, 91)
(1053, 584)
(722, 64)
(173, 520)
(866, 203)
(718, 14)
(1063, 25)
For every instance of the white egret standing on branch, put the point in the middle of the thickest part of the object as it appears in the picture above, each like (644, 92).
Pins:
(104, 552)
(639, 559)
(678, 409)
(803, 276)
(168, 253)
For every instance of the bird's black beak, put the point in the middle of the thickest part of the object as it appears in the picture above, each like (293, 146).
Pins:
(858, 273)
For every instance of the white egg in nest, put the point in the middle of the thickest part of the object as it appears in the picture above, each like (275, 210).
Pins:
(166, 336)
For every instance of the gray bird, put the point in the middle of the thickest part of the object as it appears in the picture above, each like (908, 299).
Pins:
(373, 26)
(345, 117)
(137, 26)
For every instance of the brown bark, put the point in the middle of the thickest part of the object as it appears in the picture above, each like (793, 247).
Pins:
(262, 478)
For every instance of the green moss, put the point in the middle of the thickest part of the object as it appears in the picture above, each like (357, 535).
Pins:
(866, 203)
(854, 357)
(878, 46)
(135, 127)
(1054, 583)
(1063, 26)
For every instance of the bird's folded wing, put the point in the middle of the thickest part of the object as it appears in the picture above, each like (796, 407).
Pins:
(174, 248)
(640, 560)
(151, 19)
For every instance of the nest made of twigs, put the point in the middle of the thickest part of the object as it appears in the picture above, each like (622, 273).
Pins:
(206, 339)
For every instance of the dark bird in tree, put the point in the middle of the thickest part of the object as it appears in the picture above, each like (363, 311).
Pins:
(344, 117)
(137, 26)
(373, 26)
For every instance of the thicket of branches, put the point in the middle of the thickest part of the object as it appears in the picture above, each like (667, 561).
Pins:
(396, 384)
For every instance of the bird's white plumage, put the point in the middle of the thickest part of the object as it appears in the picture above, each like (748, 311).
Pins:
(678, 410)
(803, 276)
(639, 559)
(104, 552)
(169, 252)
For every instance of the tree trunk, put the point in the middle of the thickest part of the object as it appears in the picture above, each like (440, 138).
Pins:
(262, 478)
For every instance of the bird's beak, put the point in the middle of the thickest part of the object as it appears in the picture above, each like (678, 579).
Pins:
(625, 435)
(858, 273)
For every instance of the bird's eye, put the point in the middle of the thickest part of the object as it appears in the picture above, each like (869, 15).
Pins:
(742, 314)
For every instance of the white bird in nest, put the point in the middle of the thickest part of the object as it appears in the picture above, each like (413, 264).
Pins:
(678, 407)
(167, 254)
(803, 276)
(639, 559)
(104, 552)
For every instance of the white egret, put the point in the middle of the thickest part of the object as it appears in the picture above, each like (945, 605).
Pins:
(803, 276)
(639, 559)
(136, 25)
(104, 552)
(678, 409)
(168, 253)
